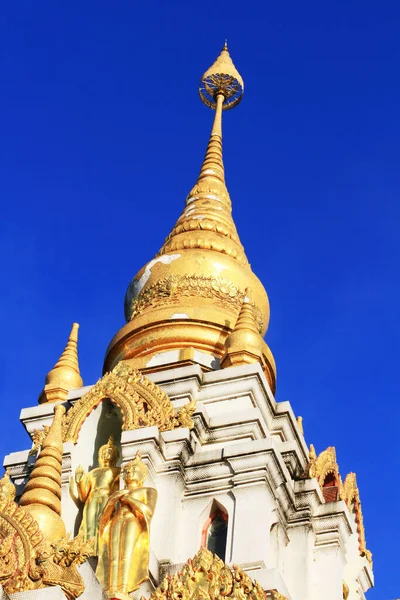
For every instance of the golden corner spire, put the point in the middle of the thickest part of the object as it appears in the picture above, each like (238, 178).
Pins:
(65, 374)
(245, 344)
(42, 493)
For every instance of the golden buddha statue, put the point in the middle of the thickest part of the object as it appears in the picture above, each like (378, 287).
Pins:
(124, 533)
(94, 489)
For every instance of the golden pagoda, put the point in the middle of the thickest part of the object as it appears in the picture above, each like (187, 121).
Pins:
(189, 296)
(179, 462)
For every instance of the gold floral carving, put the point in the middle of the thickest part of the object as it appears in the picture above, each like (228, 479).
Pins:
(142, 404)
(27, 562)
(351, 495)
(38, 437)
(207, 577)
(7, 487)
(171, 289)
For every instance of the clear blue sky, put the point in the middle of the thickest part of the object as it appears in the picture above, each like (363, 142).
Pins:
(102, 136)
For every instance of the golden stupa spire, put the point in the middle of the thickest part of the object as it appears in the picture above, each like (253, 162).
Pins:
(65, 374)
(42, 494)
(206, 221)
(190, 295)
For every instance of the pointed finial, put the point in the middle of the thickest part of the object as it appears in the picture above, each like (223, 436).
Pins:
(300, 424)
(312, 462)
(225, 46)
(312, 454)
(42, 493)
(65, 374)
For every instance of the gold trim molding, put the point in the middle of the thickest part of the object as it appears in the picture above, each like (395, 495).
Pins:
(171, 289)
(142, 404)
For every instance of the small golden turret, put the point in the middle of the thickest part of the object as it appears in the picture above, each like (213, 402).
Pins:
(245, 344)
(42, 494)
(65, 374)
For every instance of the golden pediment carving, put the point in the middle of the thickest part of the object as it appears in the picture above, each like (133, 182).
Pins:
(142, 403)
(207, 577)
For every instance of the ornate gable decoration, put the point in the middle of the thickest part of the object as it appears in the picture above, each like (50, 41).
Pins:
(28, 562)
(207, 577)
(351, 496)
(323, 465)
(142, 404)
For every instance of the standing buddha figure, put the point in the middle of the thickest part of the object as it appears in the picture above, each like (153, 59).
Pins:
(124, 533)
(94, 489)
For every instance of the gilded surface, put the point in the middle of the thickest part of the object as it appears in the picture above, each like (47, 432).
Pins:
(38, 436)
(124, 533)
(190, 294)
(65, 374)
(346, 591)
(29, 562)
(323, 465)
(222, 78)
(351, 495)
(172, 289)
(142, 403)
(326, 464)
(7, 488)
(94, 489)
(206, 576)
(42, 493)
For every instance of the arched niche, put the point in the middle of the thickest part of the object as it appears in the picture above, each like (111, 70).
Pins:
(215, 530)
(141, 402)
(104, 421)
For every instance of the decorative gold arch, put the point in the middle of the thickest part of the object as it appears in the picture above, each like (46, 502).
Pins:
(323, 465)
(351, 495)
(142, 404)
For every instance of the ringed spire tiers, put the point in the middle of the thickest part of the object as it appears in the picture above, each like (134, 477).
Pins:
(189, 296)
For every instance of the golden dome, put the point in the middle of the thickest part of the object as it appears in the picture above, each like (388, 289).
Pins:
(191, 293)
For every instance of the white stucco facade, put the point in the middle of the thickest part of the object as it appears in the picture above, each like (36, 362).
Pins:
(245, 454)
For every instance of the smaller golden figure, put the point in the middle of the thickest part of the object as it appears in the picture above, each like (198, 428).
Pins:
(124, 533)
(94, 489)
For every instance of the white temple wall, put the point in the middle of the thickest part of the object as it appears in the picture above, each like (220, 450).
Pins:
(245, 452)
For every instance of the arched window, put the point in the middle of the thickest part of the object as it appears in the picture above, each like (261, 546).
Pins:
(330, 480)
(215, 532)
(330, 488)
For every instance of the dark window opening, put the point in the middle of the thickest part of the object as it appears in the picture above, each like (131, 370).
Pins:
(217, 533)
